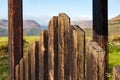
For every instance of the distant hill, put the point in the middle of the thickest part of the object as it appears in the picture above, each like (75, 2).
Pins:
(83, 24)
(115, 18)
(30, 27)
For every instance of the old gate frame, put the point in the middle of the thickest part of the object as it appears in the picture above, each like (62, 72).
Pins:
(100, 30)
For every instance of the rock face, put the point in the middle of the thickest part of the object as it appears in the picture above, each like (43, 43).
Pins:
(30, 27)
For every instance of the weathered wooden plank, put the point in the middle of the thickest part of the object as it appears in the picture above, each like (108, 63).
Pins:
(43, 56)
(22, 72)
(53, 49)
(77, 41)
(95, 62)
(100, 27)
(116, 73)
(37, 59)
(60, 49)
(73, 53)
(81, 54)
(17, 70)
(27, 59)
(33, 63)
(15, 34)
(66, 24)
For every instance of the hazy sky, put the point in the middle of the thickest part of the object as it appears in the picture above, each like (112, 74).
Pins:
(43, 10)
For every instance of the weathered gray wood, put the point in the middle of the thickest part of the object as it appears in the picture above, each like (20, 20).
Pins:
(27, 59)
(43, 56)
(95, 62)
(15, 37)
(116, 73)
(53, 49)
(22, 72)
(66, 33)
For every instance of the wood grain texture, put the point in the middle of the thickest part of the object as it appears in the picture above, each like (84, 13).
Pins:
(60, 49)
(43, 56)
(35, 61)
(53, 48)
(77, 53)
(66, 34)
(17, 72)
(95, 61)
(22, 69)
(15, 32)
(27, 59)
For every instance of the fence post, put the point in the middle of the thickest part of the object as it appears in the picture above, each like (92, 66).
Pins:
(15, 38)
(43, 55)
(22, 69)
(35, 61)
(53, 48)
(95, 61)
(77, 56)
(17, 72)
(27, 61)
(60, 49)
(100, 27)
(65, 23)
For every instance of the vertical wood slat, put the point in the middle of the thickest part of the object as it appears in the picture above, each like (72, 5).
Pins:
(116, 73)
(15, 40)
(53, 49)
(100, 27)
(43, 56)
(80, 53)
(22, 70)
(60, 49)
(27, 59)
(66, 25)
(35, 61)
(73, 55)
(17, 72)
(77, 49)
(95, 62)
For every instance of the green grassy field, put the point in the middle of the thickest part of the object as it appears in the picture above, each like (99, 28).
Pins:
(4, 53)
(114, 53)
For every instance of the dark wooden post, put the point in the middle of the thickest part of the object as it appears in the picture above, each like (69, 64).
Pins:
(15, 34)
(100, 26)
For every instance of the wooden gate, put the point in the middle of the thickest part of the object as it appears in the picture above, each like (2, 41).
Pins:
(59, 54)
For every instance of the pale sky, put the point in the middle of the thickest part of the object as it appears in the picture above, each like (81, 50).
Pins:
(43, 10)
